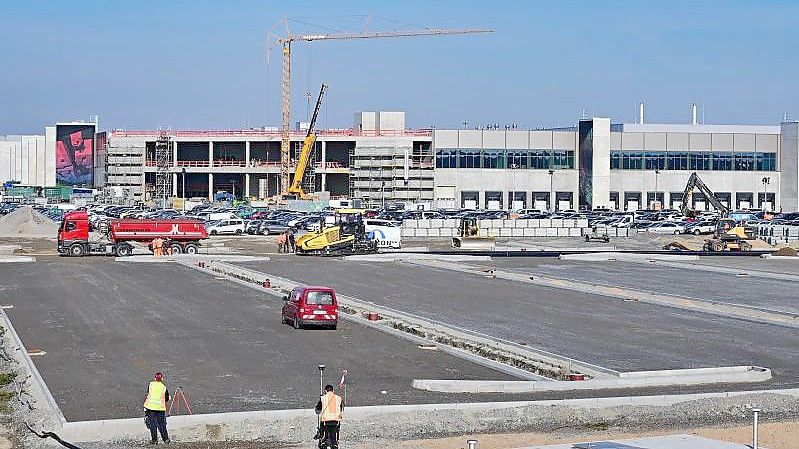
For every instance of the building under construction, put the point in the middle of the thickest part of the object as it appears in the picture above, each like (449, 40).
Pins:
(376, 160)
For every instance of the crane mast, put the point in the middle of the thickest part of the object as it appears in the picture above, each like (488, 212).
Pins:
(285, 44)
(307, 149)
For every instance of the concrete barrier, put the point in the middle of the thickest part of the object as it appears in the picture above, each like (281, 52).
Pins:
(665, 378)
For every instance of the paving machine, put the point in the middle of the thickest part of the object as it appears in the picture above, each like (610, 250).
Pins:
(729, 234)
(347, 235)
(469, 238)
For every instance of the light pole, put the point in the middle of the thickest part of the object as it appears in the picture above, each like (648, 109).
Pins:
(551, 193)
(183, 189)
(234, 190)
(766, 181)
(383, 194)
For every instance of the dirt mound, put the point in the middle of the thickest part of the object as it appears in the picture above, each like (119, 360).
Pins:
(785, 251)
(28, 223)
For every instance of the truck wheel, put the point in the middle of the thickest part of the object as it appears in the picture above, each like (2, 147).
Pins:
(177, 248)
(238, 231)
(745, 246)
(190, 248)
(77, 250)
(213, 232)
(124, 250)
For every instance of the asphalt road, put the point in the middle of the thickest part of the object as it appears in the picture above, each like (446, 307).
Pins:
(108, 326)
(750, 291)
(622, 335)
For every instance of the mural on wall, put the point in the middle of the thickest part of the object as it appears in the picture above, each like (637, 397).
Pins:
(74, 154)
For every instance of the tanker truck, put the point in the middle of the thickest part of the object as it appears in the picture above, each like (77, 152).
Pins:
(74, 238)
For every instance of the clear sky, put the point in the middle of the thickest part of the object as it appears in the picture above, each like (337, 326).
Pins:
(201, 64)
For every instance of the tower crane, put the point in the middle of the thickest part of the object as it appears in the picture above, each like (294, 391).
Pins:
(285, 43)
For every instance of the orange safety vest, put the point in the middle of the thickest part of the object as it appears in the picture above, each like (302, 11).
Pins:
(331, 407)
(156, 397)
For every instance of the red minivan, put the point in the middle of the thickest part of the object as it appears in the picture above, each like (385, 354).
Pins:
(310, 306)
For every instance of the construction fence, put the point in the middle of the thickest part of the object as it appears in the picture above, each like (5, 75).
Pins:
(506, 228)
(774, 234)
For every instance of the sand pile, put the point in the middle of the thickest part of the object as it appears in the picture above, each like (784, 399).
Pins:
(28, 223)
(785, 251)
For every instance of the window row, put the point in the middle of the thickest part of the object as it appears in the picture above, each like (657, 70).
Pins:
(692, 160)
(514, 159)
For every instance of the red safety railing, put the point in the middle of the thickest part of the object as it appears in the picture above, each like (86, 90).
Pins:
(271, 133)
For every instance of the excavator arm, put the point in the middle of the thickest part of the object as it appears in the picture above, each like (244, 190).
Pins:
(694, 182)
(307, 150)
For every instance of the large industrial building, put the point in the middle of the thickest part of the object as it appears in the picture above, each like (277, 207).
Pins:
(592, 164)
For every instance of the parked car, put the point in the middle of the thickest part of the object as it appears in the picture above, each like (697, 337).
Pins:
(666, 227)
(253, 227)
(234, 226)
(310, 306)
(700, 227)
(272, 227)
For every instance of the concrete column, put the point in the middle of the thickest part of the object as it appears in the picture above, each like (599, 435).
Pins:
(174, 154)
(324, 181)
(324, 156)
(174, 185)
(210, 154)
(210, 186)
(247, 156)
(247, 177)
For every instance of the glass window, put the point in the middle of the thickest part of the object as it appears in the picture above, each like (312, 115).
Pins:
(446, 158)
(632, 160)
(562, 159)
(493, 159)
(700, 160)
(744, 161)
(518, 159)
(722, 161)
(677, 160)
(322, 298)
(766, 161)
(615, 160)
(540, 159)
(655, 160)
(468, 158)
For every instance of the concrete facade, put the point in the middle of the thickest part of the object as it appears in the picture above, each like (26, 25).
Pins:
(28, 160)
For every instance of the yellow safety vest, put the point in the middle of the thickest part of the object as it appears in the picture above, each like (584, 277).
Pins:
(156, 397)
(331, 407)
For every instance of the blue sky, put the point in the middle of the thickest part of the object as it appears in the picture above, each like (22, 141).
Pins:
(201, 64)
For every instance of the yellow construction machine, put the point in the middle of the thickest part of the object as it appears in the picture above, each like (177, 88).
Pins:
(730, 235)
(346, 236)
(295, 190)
(469, 236)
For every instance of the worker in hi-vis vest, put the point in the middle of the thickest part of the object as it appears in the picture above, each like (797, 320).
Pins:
(155, 409)
(329, 408)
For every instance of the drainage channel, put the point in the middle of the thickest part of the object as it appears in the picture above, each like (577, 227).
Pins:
(512, 358)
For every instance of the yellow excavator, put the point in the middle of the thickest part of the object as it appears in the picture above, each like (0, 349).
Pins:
(730, 235)
(346, 236)
(295, 190)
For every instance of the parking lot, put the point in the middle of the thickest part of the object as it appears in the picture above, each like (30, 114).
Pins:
(621, 335)
(107, 327)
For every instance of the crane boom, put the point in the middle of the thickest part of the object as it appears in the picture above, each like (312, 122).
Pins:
(285, 43)
(307, 149)
(694, 182)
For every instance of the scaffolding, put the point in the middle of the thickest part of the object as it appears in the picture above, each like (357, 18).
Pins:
(163, 160)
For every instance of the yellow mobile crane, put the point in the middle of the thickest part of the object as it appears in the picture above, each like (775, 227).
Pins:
(295, 190)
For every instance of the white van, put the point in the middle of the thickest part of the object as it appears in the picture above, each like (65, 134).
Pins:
(234, 226)
(215, 216)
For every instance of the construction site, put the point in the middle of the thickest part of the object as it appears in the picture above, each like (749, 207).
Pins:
(598, 285)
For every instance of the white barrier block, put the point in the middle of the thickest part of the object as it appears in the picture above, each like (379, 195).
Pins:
(556, 223)
(563, 232)
(408, 232)
(434, 232)
(504, 232)
(544, 223)
(485, 224)
(423, 224)
(413, 224)
(533, 223)
(436, 223)
(483, 232)
(582, 222)
(517, 232)
(529, 232)
(421, 232)
(569, 222)
(541, 232)
(574, 232)
(496, 223)
(509, 224)
(522, 222)
(450, 223)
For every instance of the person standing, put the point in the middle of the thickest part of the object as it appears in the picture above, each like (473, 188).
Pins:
(155, 408)
(292, 243)
(329, 409)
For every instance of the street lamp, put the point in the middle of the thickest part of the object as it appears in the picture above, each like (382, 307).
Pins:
(766, 181)
(383, 193)
(551, 194)
(183, 190)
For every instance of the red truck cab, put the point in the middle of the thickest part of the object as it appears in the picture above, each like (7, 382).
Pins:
(310, 306)
(73, 233)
